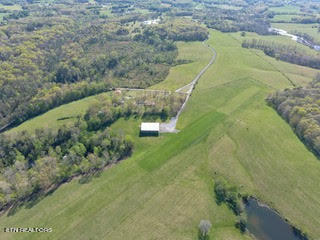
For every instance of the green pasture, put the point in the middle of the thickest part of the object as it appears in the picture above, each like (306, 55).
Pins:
(60, 115)
(285, 9)
(166, 187)
(198, 55)
(284, 17)
(10, 7)
(278, 39)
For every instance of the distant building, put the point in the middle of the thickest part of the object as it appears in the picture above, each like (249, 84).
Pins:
(149, 129)
(151, 22)
(118, 91)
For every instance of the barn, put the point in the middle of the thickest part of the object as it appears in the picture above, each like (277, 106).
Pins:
(150, 129)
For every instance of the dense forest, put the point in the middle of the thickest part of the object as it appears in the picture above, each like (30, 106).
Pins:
(283, 52)
(250, 18)
(46, 62)
(300, 107)
(33, 164)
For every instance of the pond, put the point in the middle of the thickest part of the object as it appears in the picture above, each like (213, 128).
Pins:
(265, 224)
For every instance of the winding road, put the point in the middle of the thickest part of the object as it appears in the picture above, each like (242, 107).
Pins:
(170, 127)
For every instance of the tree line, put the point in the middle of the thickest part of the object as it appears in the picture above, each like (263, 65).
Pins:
(230, 195)
(300, 107)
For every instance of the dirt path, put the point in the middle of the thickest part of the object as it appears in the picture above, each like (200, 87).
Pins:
(171, 125)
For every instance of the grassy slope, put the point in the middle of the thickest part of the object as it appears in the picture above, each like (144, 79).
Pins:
(287, 18)
(281, 40)
(299, 75)
(161, 192)
(258, 150)
(285, 9)
(183, 74)
(11, 7)
(165, 188)
(50, 118)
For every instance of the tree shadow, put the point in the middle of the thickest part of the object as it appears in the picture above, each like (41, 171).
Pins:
(30, 202)
(87, 178)
(39, 195)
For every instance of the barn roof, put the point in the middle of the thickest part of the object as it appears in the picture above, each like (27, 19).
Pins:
(150, 127)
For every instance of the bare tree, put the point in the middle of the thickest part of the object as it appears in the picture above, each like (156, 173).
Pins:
(204, 228)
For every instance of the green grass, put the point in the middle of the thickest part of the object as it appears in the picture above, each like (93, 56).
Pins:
(183, 74)
(11, 7)
(285, 9)
(106, 12)
(130, 200)
(51, 118)
(257, 149)
(278, 39)
(166, 187)
(310, 29)
(299, 75)
(226, 6)
(284, 17)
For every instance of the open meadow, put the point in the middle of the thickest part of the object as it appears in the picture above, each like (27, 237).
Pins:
(285, 9)
(58, 116)
(166, 187)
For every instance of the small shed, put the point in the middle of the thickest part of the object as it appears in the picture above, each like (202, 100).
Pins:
(150, 129)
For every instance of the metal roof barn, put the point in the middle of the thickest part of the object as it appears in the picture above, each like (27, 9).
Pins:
(149, 128)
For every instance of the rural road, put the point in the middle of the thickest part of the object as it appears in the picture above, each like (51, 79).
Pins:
(170, 127)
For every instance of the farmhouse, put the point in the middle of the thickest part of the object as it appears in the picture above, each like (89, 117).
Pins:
(149, 129)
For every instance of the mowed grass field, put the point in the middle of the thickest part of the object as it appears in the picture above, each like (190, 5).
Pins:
(166, 187)
(52, 118)
(298, 75)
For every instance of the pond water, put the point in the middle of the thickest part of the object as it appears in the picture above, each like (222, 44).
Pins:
(265, 224)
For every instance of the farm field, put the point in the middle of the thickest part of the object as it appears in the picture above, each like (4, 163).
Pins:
(10, 7)
(285, 9)
(278, 39)
(298, 75)
(166, 187)
(284, 17)
(311, 29)
(180, 75)
(53, 118)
